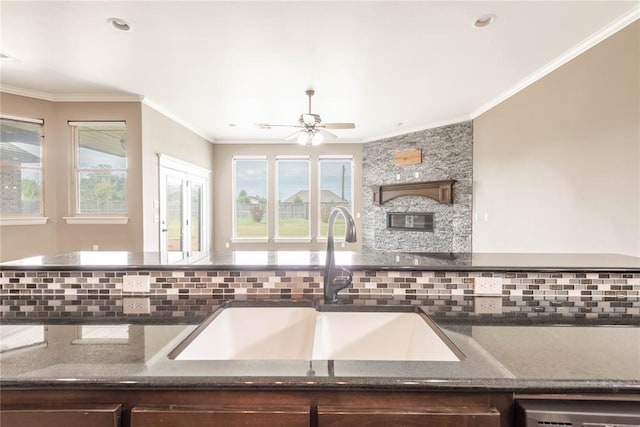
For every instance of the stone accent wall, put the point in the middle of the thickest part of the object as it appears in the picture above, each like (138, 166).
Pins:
(447, 153)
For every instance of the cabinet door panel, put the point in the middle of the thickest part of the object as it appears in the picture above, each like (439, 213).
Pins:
(221, 416)
(75, 416)
(388, 417)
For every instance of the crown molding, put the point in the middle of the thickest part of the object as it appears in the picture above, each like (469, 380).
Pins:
(71, 97)
(407, 130)
(284, 142)
(588, 43)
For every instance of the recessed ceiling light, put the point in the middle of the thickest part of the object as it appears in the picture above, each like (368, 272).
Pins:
(119, 24)
(485, 20)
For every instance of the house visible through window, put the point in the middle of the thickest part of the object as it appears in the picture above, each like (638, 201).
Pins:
(21, 167)
(100, 167)
(293, 197)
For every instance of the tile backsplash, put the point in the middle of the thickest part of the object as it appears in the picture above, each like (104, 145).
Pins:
(309, 283)
(98, 294)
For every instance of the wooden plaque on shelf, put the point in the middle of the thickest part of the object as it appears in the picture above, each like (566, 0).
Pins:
(412, 157)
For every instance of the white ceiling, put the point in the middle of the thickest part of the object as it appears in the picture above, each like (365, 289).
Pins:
(208, 64)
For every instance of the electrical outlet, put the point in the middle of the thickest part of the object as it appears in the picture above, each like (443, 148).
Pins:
(136, 305)
(487, 285)
(487, 305)
(131, 283)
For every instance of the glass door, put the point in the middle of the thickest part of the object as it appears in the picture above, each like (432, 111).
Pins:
(195, 189)
(184, 225)
(172, 206)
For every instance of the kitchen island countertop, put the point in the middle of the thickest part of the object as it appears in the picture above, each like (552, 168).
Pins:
(292, 260)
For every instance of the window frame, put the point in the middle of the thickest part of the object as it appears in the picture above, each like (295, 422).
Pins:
(77, 217)
(239, 239)
(277, 237)
(21, 218)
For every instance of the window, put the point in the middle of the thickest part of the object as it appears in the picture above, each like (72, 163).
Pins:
(250, 198)
(306, 189)
(293, 197)
(336, 189)
(21, 167)
(20, 337)
(100, 168)
(102, 334)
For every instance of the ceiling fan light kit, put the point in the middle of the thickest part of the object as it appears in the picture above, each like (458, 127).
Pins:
(312, 131)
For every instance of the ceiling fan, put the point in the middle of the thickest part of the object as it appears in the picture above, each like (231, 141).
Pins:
(311, 129)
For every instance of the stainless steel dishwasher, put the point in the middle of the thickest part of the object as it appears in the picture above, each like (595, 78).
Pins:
(577, 413)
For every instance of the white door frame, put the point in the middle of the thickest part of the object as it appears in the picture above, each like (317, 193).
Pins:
(189, 174)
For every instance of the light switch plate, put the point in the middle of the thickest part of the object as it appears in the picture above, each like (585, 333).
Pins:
(135, 283)
(487, 285)
(136, 305)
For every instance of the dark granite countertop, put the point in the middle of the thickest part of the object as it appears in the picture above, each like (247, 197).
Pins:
(499, 356)
(308, 260)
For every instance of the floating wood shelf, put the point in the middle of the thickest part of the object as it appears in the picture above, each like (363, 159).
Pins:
(440, 191)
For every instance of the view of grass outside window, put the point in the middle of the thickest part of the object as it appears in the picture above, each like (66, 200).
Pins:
(20, 168)
(335, 190)
(250, 192)
(101, 168)
(293, 197)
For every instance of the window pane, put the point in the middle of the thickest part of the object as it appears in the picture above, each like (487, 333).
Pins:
(102, 192)
(20, 143)
(250, 189)
(104, 332)
(20, 336)
(20, 173)
(196, 220)
(335, 190)
(174, 213)
(21, 192)
(293, 198)
(102, 147)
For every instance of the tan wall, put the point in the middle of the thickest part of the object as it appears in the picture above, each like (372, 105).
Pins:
(223, 197)
(57, 236)
(557, 166)
(162, 135)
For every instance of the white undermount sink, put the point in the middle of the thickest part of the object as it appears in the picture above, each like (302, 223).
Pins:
(303, 333)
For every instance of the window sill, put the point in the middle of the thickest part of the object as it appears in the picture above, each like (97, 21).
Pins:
(34, 220)
(249, 240)
(96, 220)
(293, 240)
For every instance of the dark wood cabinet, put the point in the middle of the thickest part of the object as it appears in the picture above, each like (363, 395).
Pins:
(221, 416)
(98, 415)
(249, 407)
(385, 417)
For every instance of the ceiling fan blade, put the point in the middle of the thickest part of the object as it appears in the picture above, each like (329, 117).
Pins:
(269, 126)
(326, 134)
(338, 125)
(294, 135)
